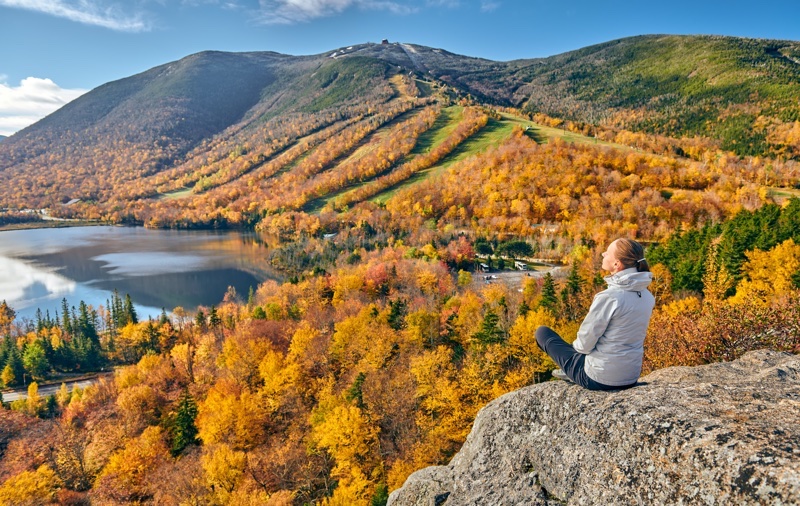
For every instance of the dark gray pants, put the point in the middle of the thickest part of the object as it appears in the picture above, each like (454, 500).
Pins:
(569, 360)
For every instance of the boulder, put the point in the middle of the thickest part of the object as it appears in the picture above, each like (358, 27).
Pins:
(725, 433)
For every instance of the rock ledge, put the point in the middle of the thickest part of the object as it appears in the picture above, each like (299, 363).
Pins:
(726, 433)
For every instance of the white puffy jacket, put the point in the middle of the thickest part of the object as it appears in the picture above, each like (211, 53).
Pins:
(612, 335)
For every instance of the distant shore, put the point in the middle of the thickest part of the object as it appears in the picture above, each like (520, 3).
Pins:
(51, 224)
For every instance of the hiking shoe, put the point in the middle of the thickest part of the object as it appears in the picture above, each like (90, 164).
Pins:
(559, 374)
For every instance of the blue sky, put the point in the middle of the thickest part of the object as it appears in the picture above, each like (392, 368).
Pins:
(55, 50)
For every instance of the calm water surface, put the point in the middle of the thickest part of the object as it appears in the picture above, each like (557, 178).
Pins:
(158, 268)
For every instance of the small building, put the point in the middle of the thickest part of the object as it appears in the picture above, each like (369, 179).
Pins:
(485, 268)
(385, 42)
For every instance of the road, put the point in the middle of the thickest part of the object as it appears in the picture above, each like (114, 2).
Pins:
(22, 393)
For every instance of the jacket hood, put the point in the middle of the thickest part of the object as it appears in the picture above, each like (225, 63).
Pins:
(629, 280)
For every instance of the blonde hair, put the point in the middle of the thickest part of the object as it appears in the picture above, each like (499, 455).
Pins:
(631, 254)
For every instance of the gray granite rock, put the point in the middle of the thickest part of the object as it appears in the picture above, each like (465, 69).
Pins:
(726, 433)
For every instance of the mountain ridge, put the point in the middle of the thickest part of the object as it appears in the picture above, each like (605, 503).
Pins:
(742, 94)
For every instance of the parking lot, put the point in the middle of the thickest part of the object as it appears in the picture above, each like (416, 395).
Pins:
(512, 278)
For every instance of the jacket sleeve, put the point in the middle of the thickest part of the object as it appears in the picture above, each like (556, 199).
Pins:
(595, 323)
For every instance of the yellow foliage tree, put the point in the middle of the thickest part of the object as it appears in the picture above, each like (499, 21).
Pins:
(716, 280)
(223, 468)
(279, 375)
(125, 477)
(522, 342)
(349, 437)
(30, 488)
(442, 417)
(227, 417)
(768, 274)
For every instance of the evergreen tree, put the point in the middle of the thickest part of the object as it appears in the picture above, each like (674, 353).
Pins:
(381, 496)
(200, 321)
(16, 369)
(5, 349)
(251, 297)
(574, 280)
(86, 324)
(39, 320)
(117, 311)
(397, 312)
(214, 320)
(150, 343)
(181, 424)
(130, 311)
(50, 408)
(789, 222)
(63, 357)
(110, 324)
(549, 301)
(490, 332)
(355, 392)
(164, 318)
(66, 322)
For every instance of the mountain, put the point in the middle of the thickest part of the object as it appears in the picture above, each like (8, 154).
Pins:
(171, 127)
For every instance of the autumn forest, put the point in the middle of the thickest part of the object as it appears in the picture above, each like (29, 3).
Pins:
(380, 190)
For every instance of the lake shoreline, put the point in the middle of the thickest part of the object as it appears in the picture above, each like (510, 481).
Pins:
(34, 225)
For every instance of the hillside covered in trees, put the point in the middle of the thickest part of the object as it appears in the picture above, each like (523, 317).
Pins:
(381, 176)
(224, 121)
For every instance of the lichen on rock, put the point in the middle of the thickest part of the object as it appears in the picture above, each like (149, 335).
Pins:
(724, 433)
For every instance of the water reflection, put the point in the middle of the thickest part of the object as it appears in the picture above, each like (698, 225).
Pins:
(158, 268)
(22, 282)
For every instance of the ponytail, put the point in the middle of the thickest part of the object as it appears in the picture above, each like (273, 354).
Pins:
(631, 254)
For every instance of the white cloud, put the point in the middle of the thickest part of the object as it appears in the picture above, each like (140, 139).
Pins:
(89, 12)
(294, 11)
(489, 5)
(445, 3)
(31, 101)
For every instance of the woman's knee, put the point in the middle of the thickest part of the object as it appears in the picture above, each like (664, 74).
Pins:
(542, 333)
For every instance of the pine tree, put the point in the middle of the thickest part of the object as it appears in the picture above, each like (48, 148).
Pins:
(86, 325)
(164, 318)
(490, 332)
(182, 424)
(549, 301)
(397, 312)
(130, 311)
(574, 280)
(214, 320)
(251, 297)
(16, 369)
(66, 322)
(200, 321)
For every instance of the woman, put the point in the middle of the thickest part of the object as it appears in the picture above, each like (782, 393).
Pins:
(607, 354)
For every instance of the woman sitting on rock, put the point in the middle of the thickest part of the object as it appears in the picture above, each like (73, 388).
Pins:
(607, 354)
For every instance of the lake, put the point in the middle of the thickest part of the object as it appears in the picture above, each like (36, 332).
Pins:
(158, 268)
